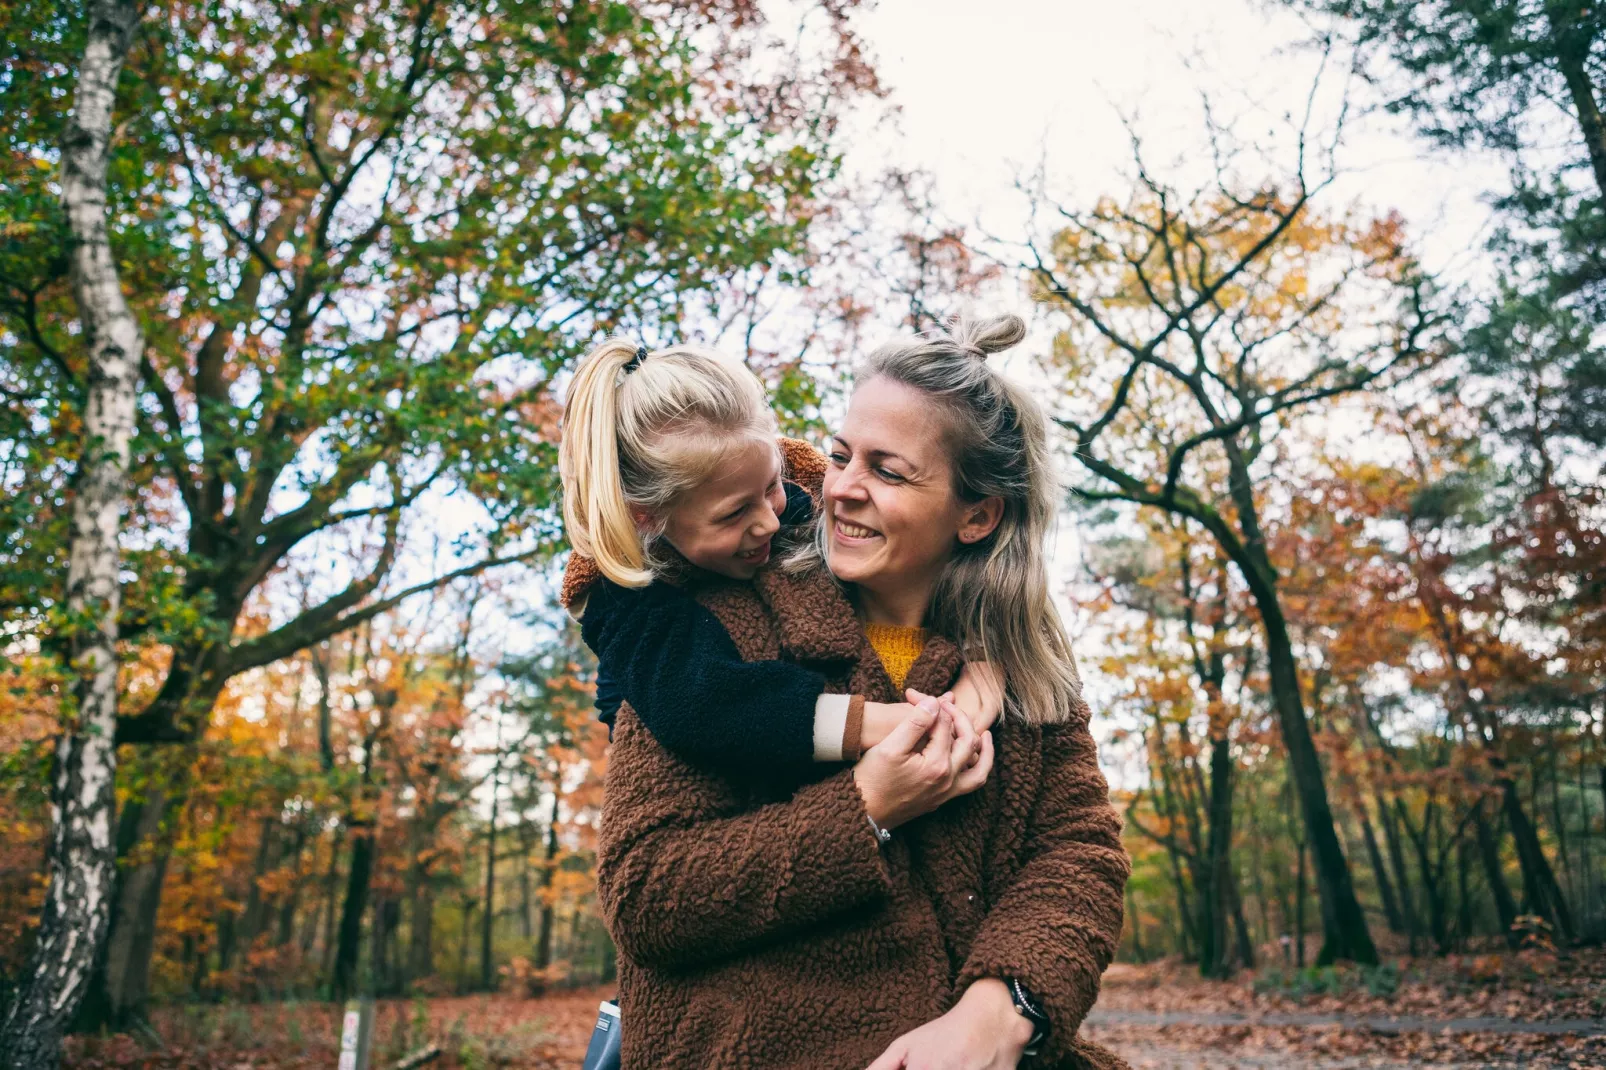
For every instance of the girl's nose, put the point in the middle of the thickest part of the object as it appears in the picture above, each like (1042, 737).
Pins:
(767, 523)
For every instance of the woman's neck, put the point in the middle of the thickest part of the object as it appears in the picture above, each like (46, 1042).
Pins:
(901, 609)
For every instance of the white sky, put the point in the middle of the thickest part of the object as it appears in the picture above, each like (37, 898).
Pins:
(986, 91)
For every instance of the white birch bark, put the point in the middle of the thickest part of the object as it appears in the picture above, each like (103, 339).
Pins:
(82, 857)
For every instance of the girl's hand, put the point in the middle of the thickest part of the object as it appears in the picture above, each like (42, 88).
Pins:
(982, 1032)
(933, 756)
(980, 693)
(880, 719)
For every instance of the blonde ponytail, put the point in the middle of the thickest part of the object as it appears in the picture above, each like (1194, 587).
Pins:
(595, 509)
(639, 434)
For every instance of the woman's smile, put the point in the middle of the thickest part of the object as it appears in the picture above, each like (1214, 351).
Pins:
(852, 533)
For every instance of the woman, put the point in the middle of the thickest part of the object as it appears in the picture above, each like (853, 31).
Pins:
(826, 923)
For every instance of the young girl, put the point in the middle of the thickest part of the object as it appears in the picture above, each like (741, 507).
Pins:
(670, 464)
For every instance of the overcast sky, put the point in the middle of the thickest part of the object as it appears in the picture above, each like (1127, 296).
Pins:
(985, 91)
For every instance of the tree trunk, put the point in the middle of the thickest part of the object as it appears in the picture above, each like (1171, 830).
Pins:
(1402, 875)
(1344, 931)
(1136, 921)
(526, 899)
(81, 859)
(350, 940)
(1505, 906)
(331, 891)
(421, 940)
(1215, 959)
(287, 909)
(1572, 60)
(1430, 877)
(1246, 946)
(253, 917)
(543, 949)
(1539, 880)
(122, 984)
(1385, 887)
(1299, 911)
(488, 919)
(462, 947)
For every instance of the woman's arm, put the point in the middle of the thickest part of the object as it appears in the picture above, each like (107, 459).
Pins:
(673, 661)
(685, 876)
(1057, 926)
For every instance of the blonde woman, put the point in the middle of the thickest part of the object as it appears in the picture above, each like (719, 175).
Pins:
(829, 919)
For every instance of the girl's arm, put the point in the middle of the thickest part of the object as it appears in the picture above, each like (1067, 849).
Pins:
(673, 661)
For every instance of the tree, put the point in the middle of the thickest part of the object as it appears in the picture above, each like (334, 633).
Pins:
(1177, 659)
(81, 858)
(1210, 323)
(1497, 75)
(1524, 80)
(364, 241)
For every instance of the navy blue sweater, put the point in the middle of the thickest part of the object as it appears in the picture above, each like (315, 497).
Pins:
(662, 651)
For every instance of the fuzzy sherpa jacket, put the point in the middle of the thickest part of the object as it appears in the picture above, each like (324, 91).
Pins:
(762, 927)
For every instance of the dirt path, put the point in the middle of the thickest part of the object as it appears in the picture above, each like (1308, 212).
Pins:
(1376, 1023)
(1202, 1040)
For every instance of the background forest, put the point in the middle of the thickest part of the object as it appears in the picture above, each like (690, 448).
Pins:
(1333, 537)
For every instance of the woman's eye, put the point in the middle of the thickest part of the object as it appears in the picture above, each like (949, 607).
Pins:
(838, 458)
(889, 475)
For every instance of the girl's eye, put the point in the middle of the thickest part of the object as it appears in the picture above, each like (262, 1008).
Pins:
(728, 517)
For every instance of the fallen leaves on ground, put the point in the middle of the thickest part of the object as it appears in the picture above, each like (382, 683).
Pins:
(1523, 987)
(474, 1032)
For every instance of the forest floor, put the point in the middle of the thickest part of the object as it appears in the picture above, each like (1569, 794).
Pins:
(1544, 1011)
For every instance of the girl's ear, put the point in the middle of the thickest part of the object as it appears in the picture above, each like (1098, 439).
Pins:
(981, 520)
(643, 519)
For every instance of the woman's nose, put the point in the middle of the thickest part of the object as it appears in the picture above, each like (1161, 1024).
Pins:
(849, 485)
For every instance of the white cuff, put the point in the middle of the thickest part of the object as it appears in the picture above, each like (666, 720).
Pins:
(830, 723)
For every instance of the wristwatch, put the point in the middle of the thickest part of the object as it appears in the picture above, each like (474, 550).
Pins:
(1027, 1008)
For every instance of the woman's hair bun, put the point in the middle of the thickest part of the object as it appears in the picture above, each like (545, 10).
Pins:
(993, 334)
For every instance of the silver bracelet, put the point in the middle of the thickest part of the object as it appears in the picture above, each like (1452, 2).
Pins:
(882, 836)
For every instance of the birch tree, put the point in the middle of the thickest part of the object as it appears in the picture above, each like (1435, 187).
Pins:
(81, 856)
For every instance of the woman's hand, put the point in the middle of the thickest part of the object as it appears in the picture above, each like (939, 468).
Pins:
(980, 693)
(982, 1032)
(933, 756)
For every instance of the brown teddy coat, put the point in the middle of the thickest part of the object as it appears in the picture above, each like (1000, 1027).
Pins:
(760, 924)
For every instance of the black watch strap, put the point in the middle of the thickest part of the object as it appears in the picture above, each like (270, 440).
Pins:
(1028, 1008)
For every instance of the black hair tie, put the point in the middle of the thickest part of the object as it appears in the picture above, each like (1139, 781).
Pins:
(635, 361)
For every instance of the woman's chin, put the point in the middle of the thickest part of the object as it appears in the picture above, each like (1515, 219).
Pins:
(850, 564)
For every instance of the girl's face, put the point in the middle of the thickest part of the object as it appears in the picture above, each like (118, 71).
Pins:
(892, 517)
(726, 524)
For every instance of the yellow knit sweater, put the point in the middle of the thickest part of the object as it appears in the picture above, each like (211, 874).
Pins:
(898, 648)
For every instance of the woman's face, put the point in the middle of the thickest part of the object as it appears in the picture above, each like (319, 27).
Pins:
(725, 525)
(892, 517)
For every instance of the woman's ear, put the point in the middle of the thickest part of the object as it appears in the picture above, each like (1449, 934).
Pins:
(644, 520)
(981, 520)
